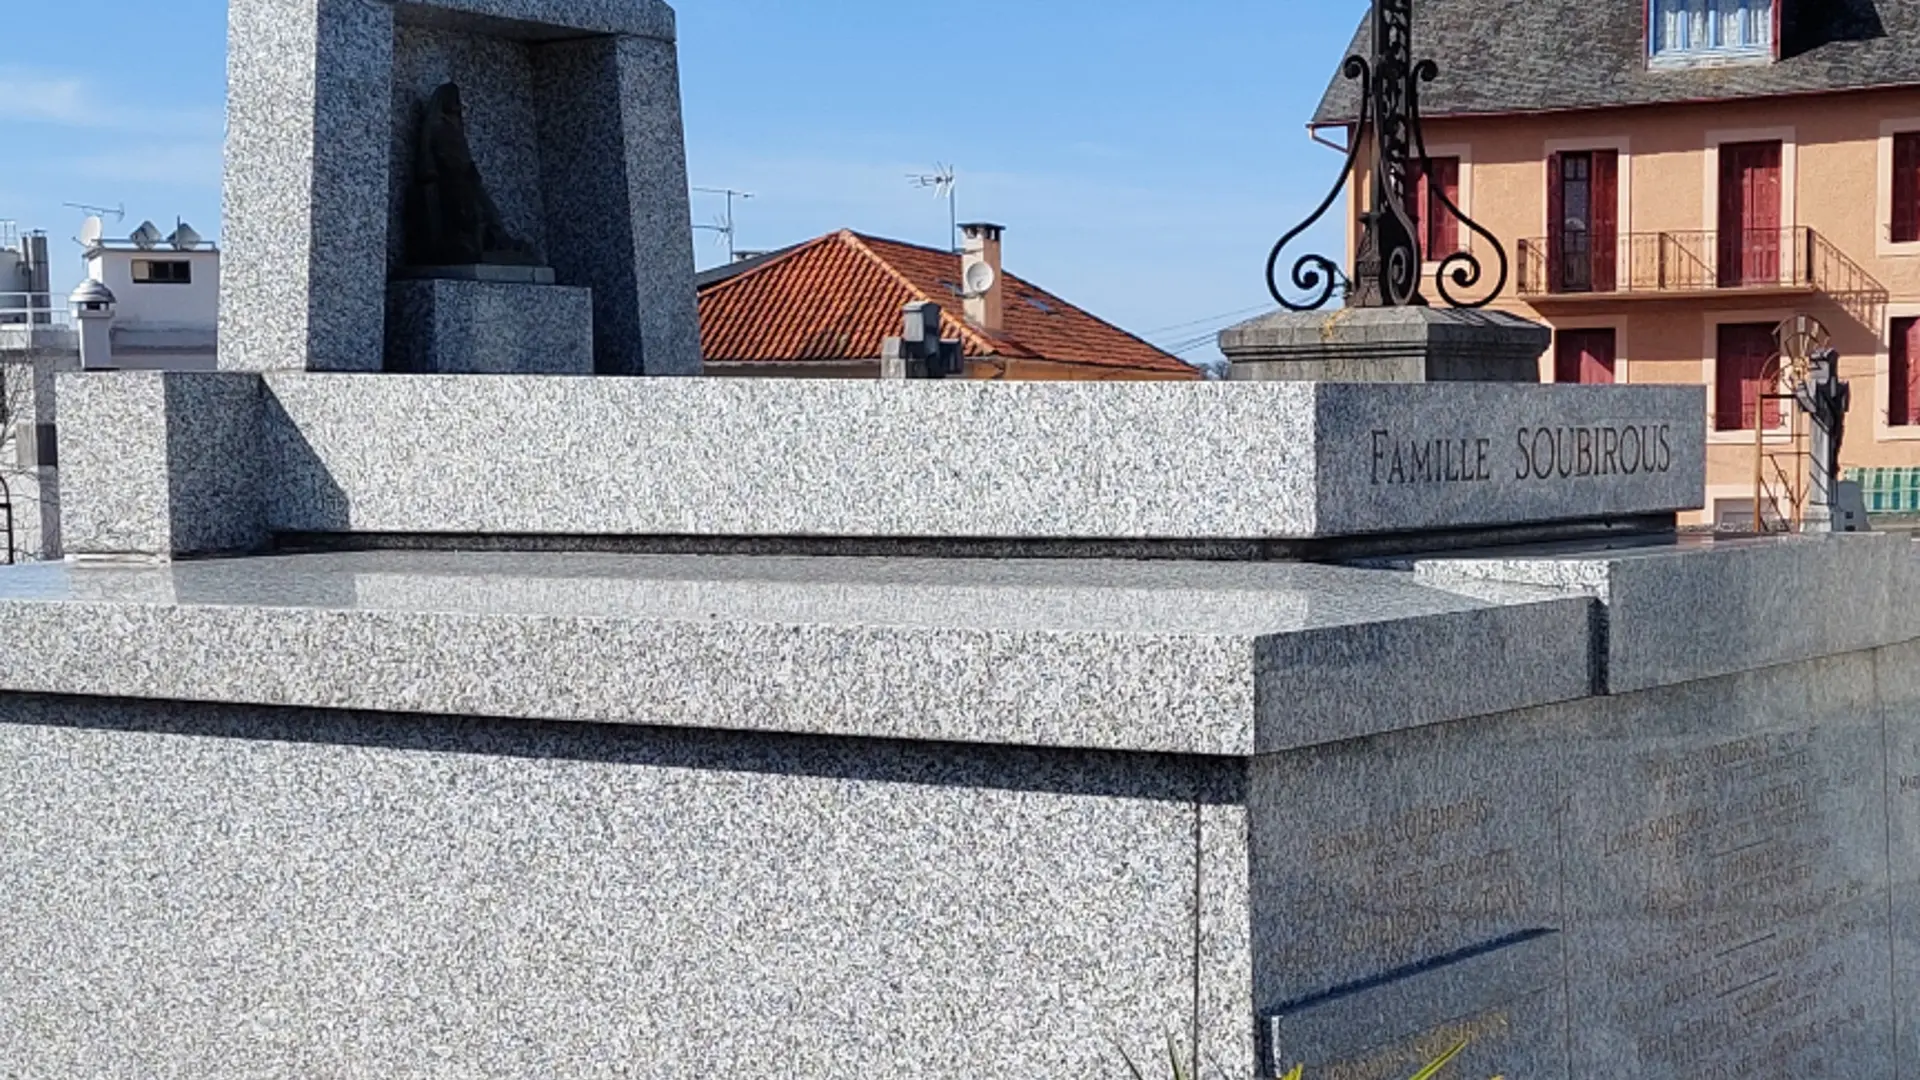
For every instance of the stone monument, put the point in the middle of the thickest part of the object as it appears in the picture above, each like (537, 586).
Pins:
(571, 113)
(934, 728)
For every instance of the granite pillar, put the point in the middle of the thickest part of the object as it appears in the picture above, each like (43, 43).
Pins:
(613, 161)
(303, 276)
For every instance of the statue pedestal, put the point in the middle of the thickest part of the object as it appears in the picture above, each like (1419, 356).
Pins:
(441, 326)
(1398, 345)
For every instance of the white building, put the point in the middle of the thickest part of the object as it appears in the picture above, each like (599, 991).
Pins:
(159, 311)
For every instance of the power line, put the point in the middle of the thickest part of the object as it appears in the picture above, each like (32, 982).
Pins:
(1209, 319)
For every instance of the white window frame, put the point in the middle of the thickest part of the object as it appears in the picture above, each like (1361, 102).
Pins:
(1883, 214)
(1883, 378)
(1661, 54)
(1623, 213)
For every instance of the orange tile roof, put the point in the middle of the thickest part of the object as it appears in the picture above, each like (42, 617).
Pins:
(838, 297)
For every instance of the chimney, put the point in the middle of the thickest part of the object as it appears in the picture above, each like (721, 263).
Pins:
(981, 276)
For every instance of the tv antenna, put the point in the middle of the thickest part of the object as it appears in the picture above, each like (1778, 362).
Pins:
(118, 213)
(723, 229)
(943, 181)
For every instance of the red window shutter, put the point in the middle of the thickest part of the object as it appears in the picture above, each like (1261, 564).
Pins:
(1556, 221)
(1903, 388)
(1443, 230)
(1906, 188)
(1606, 220)
(1750, 213)
(1745, 354)
(1584, 356)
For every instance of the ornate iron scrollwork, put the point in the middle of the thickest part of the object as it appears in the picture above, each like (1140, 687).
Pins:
(1388, 260)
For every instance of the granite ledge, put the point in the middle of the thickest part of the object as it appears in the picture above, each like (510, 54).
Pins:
(1681, 609)
(1204, 659)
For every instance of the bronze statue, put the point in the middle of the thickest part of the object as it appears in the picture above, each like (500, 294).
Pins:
(451, 220)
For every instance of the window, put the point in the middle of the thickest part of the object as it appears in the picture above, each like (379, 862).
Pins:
(1752, 240)
(1906, 188)
(1707, 29)
(162, 272)
(1743, 371)
(1433, 223)
(1583, 228)
(1903, 374)
(1584, 356)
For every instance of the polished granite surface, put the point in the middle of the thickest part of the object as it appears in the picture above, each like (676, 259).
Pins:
(1192, 658)
(1234, 599)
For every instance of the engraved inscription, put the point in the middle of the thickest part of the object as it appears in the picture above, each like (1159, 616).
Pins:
(1537, 454)
(1741, 965)
(1413, 881)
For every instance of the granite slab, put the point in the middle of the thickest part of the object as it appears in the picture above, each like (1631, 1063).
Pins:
(1698, 606)
(1187, 658)
(155, 462)
(446, 327)
(1677, 883)
(1008, 461)
(236, 893)
(1896, 676)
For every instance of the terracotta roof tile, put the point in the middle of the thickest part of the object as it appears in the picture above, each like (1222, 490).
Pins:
(839, 297)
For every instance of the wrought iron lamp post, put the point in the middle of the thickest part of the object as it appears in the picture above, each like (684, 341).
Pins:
(1388, 262)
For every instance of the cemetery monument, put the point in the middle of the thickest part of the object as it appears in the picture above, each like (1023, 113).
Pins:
(513, 724)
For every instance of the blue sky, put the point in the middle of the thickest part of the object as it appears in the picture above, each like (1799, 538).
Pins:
(1142, 156)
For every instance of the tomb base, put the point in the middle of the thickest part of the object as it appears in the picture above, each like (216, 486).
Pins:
(1393, 345)
(442, 326)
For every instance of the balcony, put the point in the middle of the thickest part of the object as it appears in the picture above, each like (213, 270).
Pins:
(1667, 265)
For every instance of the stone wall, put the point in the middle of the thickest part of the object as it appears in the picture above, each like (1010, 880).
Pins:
(1716, 878)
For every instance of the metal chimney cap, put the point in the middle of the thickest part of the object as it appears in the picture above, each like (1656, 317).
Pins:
(91, 292)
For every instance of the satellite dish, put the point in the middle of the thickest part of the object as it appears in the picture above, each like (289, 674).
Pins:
(184, 238)
(980, 279)
(146, 237)
(91, 232)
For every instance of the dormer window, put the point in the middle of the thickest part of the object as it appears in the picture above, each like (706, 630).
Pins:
(1690, 32)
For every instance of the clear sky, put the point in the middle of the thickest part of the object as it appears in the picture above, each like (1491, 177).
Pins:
(1143, 156)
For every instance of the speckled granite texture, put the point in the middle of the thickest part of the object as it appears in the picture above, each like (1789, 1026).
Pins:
(485, 328)
(1703, 607)
(303, 273)
(160, 463)
(1714, 878)
(227, 893)
(613, 159)
(1163, 657)
(575, 123)
(544, 20)
(1009, 461)
(1673, 884)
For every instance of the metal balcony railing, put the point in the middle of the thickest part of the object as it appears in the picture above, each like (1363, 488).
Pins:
(1794, 258)
(30, 321)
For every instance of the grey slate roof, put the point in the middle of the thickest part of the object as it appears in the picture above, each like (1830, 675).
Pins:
(1507, 56)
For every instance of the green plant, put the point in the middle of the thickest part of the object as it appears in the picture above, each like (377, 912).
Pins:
(1180, 1070)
